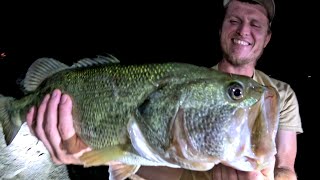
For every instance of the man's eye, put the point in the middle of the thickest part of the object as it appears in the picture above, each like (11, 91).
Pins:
(256, 25)
(234, 21)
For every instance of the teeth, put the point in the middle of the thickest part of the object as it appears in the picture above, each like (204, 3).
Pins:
(240, 42)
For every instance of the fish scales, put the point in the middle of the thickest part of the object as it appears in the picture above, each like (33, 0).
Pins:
(104, 96)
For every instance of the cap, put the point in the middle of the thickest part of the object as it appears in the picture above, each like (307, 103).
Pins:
(268, 4)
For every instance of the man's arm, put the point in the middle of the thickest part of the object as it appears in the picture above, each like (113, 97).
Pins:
(286, 154)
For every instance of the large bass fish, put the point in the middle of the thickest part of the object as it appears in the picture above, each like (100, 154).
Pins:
(167, 114)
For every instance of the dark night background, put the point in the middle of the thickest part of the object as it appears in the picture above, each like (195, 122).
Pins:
(186, 32)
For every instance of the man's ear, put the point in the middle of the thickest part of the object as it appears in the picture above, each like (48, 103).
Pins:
(267, 40)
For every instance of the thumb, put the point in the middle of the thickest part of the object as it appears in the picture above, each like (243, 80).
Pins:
(70, 141)
(73, 145)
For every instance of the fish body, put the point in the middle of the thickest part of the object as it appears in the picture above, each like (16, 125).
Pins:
(169, 114)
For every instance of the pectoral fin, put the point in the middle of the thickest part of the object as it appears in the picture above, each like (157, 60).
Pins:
(122, 171)
(102, 156)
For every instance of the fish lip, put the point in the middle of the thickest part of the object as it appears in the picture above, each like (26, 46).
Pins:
(272, 107)
(260, 89)
(265, 147)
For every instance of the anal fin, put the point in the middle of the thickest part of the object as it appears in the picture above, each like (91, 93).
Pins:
(122, 171)
(102, 156)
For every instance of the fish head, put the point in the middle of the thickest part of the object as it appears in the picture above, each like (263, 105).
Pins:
(253, 130)
(230, 119)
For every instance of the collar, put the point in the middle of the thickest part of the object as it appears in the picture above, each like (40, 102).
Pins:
(254, 77)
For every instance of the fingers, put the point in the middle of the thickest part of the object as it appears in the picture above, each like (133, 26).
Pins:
(216, 172)
(35, 123)
(253, 175)
(52, 123)
(229, 173)
(55, 110)
(65, 118)
(222, 172)
(40, 126)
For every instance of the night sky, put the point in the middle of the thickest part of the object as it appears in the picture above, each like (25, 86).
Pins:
(158, 33)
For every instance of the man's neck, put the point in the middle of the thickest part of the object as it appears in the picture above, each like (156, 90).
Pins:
(246, 70)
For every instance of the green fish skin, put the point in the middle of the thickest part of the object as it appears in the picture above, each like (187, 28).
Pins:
(170, 114)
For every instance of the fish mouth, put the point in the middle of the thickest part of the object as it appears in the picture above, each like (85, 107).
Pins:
(255, 148)
(265, 128)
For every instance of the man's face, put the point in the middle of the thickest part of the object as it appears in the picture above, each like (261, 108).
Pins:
(244, 32)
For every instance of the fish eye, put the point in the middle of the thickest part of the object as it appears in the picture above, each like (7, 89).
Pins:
(235, 91)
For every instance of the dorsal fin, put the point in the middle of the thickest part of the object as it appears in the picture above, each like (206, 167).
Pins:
(40, 70)
(100, 59)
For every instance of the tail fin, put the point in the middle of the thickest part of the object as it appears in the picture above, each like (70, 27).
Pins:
(10, 120)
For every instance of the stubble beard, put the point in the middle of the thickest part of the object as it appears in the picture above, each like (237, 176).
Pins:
(241, 61)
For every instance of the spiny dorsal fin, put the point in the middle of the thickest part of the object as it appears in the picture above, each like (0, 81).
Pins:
(40, 70)
(99, 60)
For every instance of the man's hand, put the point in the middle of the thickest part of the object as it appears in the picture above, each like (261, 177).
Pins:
(222, 172)
(52, 123)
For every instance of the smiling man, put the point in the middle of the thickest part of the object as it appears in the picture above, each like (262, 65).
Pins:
(245, 32)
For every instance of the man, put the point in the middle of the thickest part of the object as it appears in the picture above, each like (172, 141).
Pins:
(244, 34)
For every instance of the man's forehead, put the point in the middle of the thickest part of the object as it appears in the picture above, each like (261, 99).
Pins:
(246, 9)
(267, 4)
